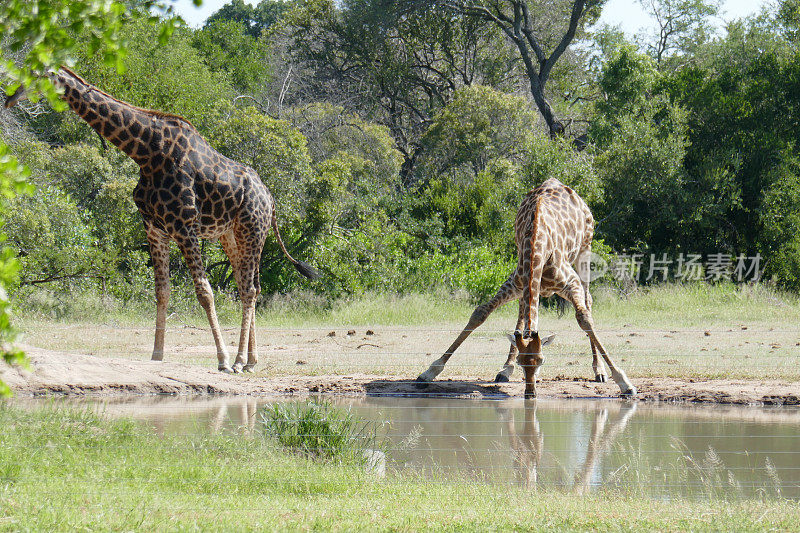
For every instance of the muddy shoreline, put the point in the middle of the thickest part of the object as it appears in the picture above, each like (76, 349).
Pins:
(59, 373)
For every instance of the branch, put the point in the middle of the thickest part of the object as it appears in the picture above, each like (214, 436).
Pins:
(528, 31)
(54, 277)
(577, 13)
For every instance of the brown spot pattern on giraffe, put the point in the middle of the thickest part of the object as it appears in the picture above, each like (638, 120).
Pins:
(187, 191)
(553, 231)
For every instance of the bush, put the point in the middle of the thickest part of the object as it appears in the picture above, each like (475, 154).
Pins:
(319, 431)
(780, 222)
(53, 239)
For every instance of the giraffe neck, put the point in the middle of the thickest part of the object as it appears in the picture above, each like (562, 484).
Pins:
(137, 132)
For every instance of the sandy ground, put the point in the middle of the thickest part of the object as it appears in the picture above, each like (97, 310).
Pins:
(64, 373)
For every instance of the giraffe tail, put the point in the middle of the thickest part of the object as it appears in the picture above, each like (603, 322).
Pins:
(304, 268)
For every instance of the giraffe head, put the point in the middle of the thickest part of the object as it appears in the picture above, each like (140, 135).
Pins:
(12, 100)
(21, 93)
(530, 343)
(530, 357)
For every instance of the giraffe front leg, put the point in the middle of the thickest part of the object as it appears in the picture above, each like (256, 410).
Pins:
(206, 298)
(202, 288)
(508, 291)
(477, 318)
(504, 376)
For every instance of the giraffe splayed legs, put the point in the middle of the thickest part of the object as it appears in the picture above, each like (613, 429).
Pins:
(553, 231)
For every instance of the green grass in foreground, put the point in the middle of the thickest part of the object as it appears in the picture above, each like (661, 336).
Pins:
(71, 470)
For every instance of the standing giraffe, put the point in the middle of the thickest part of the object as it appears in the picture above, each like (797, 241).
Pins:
(186, 191)
(553, 231)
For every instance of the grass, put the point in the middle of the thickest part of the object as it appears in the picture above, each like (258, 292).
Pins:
(73, 470)
(320, 431)
(694, 331)
(686, 306)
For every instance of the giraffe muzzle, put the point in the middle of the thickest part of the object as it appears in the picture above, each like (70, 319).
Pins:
(12, 100)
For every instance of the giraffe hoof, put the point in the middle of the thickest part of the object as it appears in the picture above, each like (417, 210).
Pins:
(225, 368)
(421, 382)
(530, 395)
(600, 378)
(501, 378)
(630, 393)
(248, 368)
(237, 368)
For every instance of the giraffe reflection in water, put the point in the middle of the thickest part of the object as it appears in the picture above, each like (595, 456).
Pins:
(244, 418)
(528, 445)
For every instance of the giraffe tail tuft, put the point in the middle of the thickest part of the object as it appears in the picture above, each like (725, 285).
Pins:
(306, 270)
(561, 306)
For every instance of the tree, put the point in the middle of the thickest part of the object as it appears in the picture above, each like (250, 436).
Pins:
(42, 35)
(641, 142)
(395, 69)
(779, 217)
(479, 125)
(255, 19)
(539, 45)
(789, 17)
(743, 105)
(226, 47)
(682, 25)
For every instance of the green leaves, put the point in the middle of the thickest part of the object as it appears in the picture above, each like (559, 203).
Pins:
(13, 178)
(39, 36)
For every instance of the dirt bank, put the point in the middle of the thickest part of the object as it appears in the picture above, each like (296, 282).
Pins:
(58, 373)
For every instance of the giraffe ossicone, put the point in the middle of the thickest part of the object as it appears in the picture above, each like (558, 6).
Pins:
(187, 191)
(553, 232)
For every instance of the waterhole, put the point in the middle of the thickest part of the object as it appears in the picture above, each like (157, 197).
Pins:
(661, 451)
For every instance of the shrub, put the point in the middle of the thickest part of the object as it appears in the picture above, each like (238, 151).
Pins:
(319, 430)
(780, 222)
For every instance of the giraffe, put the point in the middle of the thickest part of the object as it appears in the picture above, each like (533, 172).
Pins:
(187, 191)
(553, 232)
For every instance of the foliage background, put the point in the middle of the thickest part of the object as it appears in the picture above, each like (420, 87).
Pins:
(399, 147)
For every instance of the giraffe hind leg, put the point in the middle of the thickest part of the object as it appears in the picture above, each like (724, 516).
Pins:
(597, 365)
(583, 264)
(252, 351)
(228, 242)
(573, 292)
(249, 243)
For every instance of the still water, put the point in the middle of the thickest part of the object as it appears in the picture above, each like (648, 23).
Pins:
(663, 451)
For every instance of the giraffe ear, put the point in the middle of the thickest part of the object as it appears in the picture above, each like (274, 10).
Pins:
(547, 340)
(511, 338)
